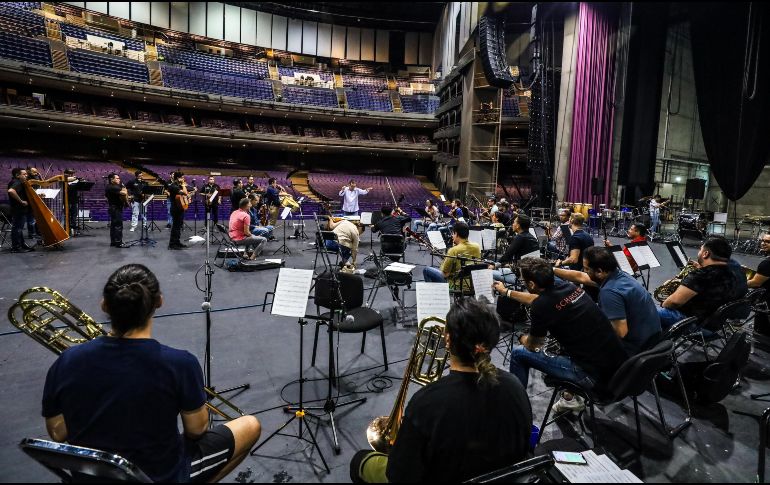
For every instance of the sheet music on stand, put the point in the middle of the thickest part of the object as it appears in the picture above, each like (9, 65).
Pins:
(436, 239)
(475, 236)
(532, 231)
(213, 196)
(643, 255)
(622, 260)
(677, 253)
(48, 193)
(443, 199)
(488, 239)
(482, 284)
(149, 199)
(291, 292)
(432, 300)
(366, 218)
(285, 213)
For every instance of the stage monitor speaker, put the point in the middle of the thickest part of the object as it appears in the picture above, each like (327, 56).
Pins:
(695, 189)
(597, 186)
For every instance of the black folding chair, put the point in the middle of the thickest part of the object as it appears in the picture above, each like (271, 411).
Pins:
(76, 463)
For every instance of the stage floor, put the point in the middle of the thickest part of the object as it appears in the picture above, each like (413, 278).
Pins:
(249, 346)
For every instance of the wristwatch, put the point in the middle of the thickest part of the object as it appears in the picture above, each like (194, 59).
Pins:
(508, 293)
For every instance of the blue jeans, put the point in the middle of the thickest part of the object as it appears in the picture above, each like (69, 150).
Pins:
(334, 247)
(266, 231)
(31, 226)
(169, 219)
(505, 275)
(417, 223)
(559, 366)
(433, 275)
(553, 251)
(432, 227)
(654, 221)
(669, 317)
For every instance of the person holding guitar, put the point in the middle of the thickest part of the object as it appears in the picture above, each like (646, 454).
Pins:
(179, 203)
(117, 200)
(212, 206)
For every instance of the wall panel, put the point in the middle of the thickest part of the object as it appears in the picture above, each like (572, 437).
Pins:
(411, 47)
(198, 18)
(100, 7)
(426, 48)
(367, 44)
(353, 39)
(264, 29)
(179, 13)
(120, 9)
(382, 46)
(215, 20)
(309, 37)
(140, 12)
(279, 33)
(324, 40)
(159, 14)
(338, 41)
(232, 23)
(249, 26)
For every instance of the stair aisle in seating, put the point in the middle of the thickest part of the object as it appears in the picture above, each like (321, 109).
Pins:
(59, 55)
(300, 184)
(271, 67)
(156, 76)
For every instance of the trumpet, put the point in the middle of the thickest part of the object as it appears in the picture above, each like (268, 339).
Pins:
(427, 361)
(37, 311)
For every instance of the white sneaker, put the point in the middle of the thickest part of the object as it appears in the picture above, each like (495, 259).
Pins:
(575, 405)
(132, 229)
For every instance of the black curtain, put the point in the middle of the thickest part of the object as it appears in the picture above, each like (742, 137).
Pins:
(731, 62)
(641, 111)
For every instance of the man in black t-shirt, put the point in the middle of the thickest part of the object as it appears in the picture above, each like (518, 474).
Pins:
(577, 243)
(116, 194)
(212, 207)
(474, 420)
(390, 224)
(590, 350)
(177, 211)
(762, 280)
(236, 195)
(250, 187)
(704, 290)
(523, 243)
(17, 195)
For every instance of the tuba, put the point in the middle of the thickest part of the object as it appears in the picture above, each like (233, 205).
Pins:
(427, 361)
(37, 312)
(669, 286)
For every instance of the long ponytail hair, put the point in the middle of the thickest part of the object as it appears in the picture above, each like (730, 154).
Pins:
(474, 330)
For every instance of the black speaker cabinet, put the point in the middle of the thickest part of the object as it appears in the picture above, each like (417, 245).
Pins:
(597, 186)
(695, 189)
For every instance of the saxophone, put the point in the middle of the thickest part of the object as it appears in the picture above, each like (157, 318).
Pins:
(669, 286)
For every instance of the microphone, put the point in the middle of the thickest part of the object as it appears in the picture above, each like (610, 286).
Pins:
(350, 319)
(206, 306)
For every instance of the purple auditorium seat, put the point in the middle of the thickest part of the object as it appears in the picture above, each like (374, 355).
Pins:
(108, 65)
(419, 104)
(310, 96)
(200, 61)
(235, 86)
(23, 49)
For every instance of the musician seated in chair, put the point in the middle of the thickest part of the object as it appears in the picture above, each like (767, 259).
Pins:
(239, 230)
(123, 393)
(523, 243)
(453, 263)
(473, 421)
(626, 303)
(636, 233)
(762, 280)
(557, 241)
(390, 223)
(590, 350)
(706, 288)
(578, 242)
(348, 238)
(256, 208)
(427, 222)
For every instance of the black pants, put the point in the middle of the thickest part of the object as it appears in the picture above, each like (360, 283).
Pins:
(177, 221)
(73, 208)
(18, 218)
(116, 224)
(213, 212)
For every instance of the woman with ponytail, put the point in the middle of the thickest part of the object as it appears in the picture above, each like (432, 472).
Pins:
(123, 393)
(474, 420)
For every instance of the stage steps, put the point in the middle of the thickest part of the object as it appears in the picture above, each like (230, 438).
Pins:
(299, 180)
(429, 186)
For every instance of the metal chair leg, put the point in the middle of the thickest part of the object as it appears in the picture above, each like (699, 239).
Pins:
(384, 350)
(547, 413)
(363, 342)
(638, 425)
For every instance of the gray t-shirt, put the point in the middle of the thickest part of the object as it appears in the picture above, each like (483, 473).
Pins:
(621, 297)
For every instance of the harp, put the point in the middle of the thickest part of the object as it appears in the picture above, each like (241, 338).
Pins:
(50, 208)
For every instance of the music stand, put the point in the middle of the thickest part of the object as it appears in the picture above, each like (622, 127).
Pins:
(284, 215)
(80, 223)
(144, 237)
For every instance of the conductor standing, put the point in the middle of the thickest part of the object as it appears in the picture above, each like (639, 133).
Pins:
(350, 195)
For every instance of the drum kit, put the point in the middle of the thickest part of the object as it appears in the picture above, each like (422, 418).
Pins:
(757, 225)
(616, 219)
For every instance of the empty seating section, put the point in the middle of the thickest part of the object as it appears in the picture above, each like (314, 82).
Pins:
(19, 21)
(24, 49)
(283, 130)
(332, 133)
(221, 124)
(310, 96)
(299, 71)
(108, 65)
(108, 112)
(70, 30)
(368, 100)
(377, 136)
(147, 116)
(74, 108)
(403, 138)
(420, 104)
(235, 86)
(366, 82)
(264, 128)
(422, 139)
(511, 105)
(312, 132)
(201, 61)
(26, 101)
(328, 186)
(175, 120)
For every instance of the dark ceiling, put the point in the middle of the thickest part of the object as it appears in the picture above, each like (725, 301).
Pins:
(412, 16)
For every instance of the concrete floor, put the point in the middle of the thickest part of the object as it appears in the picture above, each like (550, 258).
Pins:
(249, 346)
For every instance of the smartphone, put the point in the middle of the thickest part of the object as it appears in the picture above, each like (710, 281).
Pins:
(572, 458)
